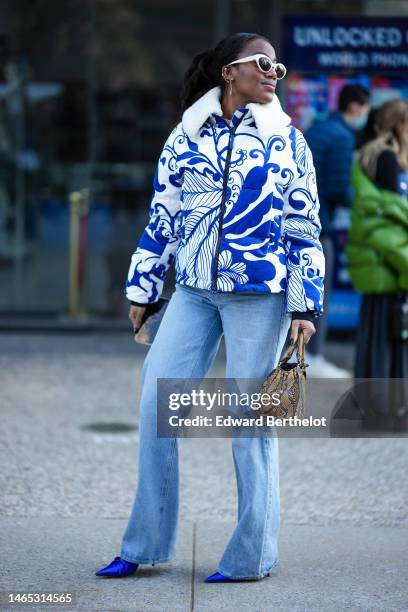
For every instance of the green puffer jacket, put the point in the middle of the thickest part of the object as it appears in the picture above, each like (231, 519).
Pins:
(377, 248)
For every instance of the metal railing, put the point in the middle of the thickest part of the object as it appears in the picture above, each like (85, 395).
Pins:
(79, 213)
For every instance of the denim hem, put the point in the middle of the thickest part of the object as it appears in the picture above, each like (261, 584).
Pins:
(256, 577)
(139, 560)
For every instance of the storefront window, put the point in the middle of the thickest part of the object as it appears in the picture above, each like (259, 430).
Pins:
(88, 94)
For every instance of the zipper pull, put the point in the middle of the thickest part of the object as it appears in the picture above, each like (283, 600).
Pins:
(231, 139)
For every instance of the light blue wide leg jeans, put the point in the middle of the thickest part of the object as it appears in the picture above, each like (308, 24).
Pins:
(255, 329)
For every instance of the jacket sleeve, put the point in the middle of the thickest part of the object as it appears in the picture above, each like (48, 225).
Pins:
(155, 251)
(300, 233)
(339, 161)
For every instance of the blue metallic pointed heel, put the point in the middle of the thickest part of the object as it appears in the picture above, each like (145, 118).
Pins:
(218, 577)
(118, 568)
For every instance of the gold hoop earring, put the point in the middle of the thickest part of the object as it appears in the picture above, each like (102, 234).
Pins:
(229, 81)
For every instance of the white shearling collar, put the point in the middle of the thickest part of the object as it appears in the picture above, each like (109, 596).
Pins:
(269, 118)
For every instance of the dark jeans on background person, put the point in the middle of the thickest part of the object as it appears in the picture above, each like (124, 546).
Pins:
(381, 352)
(316, 342)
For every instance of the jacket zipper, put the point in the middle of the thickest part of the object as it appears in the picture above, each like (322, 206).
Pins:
(222, 211)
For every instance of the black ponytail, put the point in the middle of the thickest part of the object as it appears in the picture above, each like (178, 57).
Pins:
(204, 72)
(199, 78)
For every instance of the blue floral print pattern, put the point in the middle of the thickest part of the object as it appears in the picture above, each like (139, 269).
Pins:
(268, 238)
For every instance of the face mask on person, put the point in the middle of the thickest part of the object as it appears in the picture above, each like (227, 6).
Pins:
(359, 122)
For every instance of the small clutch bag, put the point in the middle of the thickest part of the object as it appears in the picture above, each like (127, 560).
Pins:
(288, 383)
(151, 321)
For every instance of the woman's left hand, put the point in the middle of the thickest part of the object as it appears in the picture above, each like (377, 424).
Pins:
(307, 327)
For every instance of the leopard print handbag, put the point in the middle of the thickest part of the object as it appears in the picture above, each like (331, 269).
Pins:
(288, 382)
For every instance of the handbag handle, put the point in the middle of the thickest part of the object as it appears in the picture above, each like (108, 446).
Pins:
(300, 344)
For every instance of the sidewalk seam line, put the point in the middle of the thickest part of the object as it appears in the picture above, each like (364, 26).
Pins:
(193, 566)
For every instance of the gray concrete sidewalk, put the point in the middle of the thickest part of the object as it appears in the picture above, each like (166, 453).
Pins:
(320, 568)
(66, 492)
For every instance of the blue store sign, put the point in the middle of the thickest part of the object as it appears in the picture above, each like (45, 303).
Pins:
(323, 44)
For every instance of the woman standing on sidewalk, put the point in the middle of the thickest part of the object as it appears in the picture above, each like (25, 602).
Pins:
(377, 249)
(235, 206)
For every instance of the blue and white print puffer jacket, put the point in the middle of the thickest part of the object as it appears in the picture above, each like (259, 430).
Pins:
(235, 207)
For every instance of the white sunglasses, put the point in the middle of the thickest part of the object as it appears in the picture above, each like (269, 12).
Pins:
(264, 63)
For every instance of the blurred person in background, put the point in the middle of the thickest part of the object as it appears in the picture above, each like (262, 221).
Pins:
(368, 133)
(377, 249)
(235, 207)
(332, 142)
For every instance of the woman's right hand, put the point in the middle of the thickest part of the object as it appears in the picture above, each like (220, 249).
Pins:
(135, 315)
